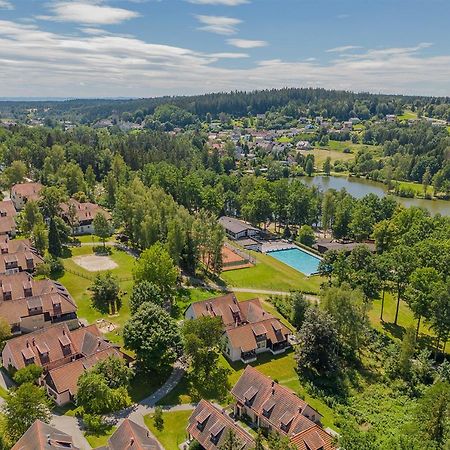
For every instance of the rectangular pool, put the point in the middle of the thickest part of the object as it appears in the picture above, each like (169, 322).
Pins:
(298, 259)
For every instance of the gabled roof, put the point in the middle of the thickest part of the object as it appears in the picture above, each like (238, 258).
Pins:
(84, 211)
(314, 438)
(28, 344)
(235, 225)
(131, 436)
(279, 405)
(61, 342)
(244, 336)
(41, 436)
(65, 378)
(7, 207)
(27, 190)
(210, 427)
(229, 308)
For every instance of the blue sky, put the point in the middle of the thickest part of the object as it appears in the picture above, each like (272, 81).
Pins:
(141, 48)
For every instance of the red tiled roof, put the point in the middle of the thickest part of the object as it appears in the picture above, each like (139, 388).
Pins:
(314, 438)
(41, 436)
(210, 427)
(27, 190)
(225, 306)
(131, 436)
(244, 336)
(7, 207)
(65, 378)
(283, 406)
(84, 211)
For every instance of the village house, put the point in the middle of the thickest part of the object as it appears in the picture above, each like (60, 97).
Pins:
(24, 192)
(248, 329)
(131, 436)
(28, 304)
(303, 145)
(18, 255)
(210, 427)
(63, 354)
(80, 216)
(238, 229)
(7, 218)
(275, 408)
(41, 436)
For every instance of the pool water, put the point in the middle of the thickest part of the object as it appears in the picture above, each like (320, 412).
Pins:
(297, 259)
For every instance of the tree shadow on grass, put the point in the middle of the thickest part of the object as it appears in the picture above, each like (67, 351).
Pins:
(395, 330)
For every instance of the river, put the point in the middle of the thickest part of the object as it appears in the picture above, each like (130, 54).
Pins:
(359, 187)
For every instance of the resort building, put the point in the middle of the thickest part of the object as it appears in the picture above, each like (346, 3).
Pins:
(7, 218)
(24, 192)
(41, 436)
(248, 329)
(325, 245)
(131, 436)
(28, 304)
(238, 229)
(63, 355)
(80, 216)
(275, 408)
(18, 255)
(210, 427)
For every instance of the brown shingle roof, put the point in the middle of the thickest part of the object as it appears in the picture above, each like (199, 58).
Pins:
(210, 427)
(85, 212)
(131, 436)
(15, 310)
(227, 307)
(244, 337)
(7, 209)
(47, 336)
(7, 225)
(29, 191)
(41, 436)
(285, 407)
(314, 438)
(65, 378)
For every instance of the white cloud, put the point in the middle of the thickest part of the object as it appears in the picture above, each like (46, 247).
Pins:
(342, 49)
(219, 24)
(219, 2)
(35, 62)
(93, 12)
(5, 4)
(246, 43)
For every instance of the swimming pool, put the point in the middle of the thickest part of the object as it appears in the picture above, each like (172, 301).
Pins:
(298, 259)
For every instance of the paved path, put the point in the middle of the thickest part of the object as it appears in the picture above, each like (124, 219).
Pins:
(73, 425)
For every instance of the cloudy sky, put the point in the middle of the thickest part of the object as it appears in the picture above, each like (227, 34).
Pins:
(143, 48)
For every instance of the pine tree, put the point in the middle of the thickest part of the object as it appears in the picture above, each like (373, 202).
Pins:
(54, 243)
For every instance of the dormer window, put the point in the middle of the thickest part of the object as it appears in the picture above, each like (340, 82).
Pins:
(7, 294)
(202, 418)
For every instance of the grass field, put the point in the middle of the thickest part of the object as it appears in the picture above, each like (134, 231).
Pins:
(271, 274)
(78, 280)
(416, 187)
(99, 440)
(407, 115)
(174, 432)
(321, 154)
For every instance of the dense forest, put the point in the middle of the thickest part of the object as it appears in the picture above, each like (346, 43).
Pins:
(307, 101)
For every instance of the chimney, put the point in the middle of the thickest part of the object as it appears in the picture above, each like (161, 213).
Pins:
(49, 442)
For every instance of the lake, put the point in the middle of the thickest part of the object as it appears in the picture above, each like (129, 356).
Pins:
(359, 187)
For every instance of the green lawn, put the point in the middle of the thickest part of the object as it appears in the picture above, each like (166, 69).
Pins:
(99, 440)
(174, 432)
(78, 286)
(417, 188)
(407, 115)
(271, 274)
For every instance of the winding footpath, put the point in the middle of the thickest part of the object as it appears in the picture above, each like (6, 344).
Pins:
(74, 427)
